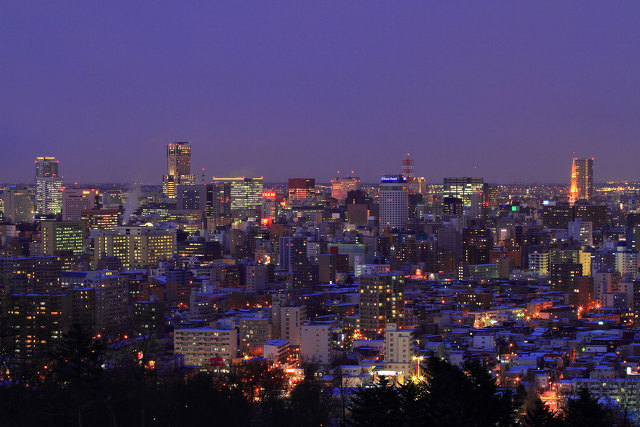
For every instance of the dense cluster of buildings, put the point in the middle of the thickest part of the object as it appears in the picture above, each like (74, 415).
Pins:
(540, 283)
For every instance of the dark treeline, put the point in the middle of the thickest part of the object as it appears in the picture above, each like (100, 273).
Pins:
(450, 396)
(79, 388)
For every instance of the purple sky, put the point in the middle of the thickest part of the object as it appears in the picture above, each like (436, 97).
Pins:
(504, 90)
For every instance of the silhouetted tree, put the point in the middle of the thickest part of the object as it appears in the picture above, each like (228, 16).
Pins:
(585, 411)
(541, 416)
(379, 405)
(309, 405)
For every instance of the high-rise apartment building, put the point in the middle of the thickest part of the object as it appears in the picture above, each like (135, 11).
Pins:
(394, 202)
(562, 275)
(398, 354)
(100, 304)
(135, 246)
(206, 346)
(254, 331)
(178, 168)
(292, 252)
(38, 321)
(581, 187)
(315, 343)
(301, 189)
(381, 302)
(48, 186)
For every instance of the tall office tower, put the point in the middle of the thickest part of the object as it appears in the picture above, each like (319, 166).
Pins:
(59, 236)
(581, 185)
(301, 189)
(584, 170)
(178, 168)
(101, 219)
(245, 194)
(381, 302)
(394, 202)
(218, 202)
(462, 188)
(341, 186)
(48, 186)
(191, 197)
(76, 200)
(46, 167)
(17, 204)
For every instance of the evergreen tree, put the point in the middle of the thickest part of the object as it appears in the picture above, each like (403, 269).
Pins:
(541, 416)
(308, 404)
(585, 411)
(379, 405)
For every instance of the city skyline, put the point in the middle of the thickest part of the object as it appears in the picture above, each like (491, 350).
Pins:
(319, 213)
(507, 92)
(197, 178)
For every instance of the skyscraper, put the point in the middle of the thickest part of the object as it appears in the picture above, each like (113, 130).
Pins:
(178, 168)
(48, 186)
(581, 179)
(393, 201)
(46, 167)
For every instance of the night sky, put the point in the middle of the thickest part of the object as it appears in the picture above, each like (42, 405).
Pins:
(504, 90)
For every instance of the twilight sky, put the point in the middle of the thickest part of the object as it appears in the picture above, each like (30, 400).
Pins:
(504, 90)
